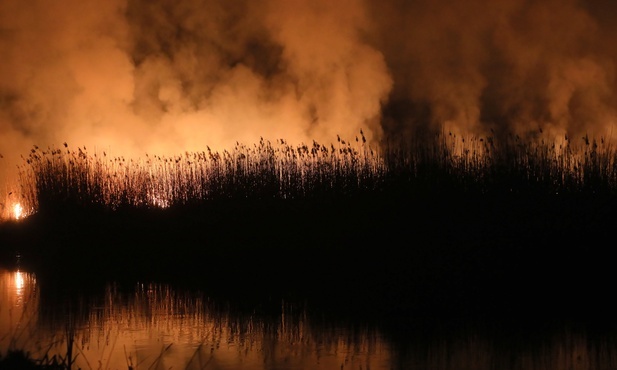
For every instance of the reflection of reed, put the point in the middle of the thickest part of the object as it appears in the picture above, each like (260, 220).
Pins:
(155, 326)
(563, 349)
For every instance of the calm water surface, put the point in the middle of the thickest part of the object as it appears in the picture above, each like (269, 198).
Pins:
(153, 326)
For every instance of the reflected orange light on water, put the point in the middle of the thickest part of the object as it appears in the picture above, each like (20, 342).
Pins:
(19, 283)
(17, 287)
(19, 305)
(158, 327)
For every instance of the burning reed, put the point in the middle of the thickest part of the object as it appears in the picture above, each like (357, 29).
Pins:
(57, 178)
(60, 178)
(462, 215)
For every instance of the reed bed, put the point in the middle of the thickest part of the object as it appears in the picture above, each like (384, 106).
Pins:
(64, 177)
(57, 178)
(535, 164)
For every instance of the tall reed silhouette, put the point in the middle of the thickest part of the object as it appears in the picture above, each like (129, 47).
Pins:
(57, 178)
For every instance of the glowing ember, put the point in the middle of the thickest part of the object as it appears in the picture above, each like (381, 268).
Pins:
(18, 211)
(158, 201)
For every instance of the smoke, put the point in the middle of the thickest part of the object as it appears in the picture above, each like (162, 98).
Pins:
(161, 76)
(504, 66)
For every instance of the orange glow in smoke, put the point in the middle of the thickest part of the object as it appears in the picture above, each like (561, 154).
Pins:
(167, 77)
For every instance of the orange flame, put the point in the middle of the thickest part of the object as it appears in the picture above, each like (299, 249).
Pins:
(18, 211)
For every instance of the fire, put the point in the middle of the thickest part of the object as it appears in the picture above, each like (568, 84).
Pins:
(14, 205)
(18, 211)
(158, 200)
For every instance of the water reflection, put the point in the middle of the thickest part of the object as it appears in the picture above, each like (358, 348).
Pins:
(153, 326)
(19, 301)
(156, 325)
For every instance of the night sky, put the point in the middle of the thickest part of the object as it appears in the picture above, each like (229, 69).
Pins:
(164, 76)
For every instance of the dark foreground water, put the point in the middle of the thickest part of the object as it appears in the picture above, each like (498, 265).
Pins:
(455, 282)
(154, 326)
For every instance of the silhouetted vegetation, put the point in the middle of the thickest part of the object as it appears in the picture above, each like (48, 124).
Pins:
(58, 178)
(433, 225)
(20, 360)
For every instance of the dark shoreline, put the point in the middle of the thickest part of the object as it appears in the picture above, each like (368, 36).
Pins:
(442, 255)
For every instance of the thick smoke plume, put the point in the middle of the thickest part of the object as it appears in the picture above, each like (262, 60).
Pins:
(164, 77)
(511, 66)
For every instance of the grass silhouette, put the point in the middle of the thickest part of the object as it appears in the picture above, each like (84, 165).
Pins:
(55, 179)
(441, 223)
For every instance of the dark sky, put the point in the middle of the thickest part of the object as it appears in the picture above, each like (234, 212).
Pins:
(166, 76)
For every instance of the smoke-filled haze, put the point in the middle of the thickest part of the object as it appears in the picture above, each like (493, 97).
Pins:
(164, 77)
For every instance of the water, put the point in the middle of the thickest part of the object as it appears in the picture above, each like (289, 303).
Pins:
(154, 326)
